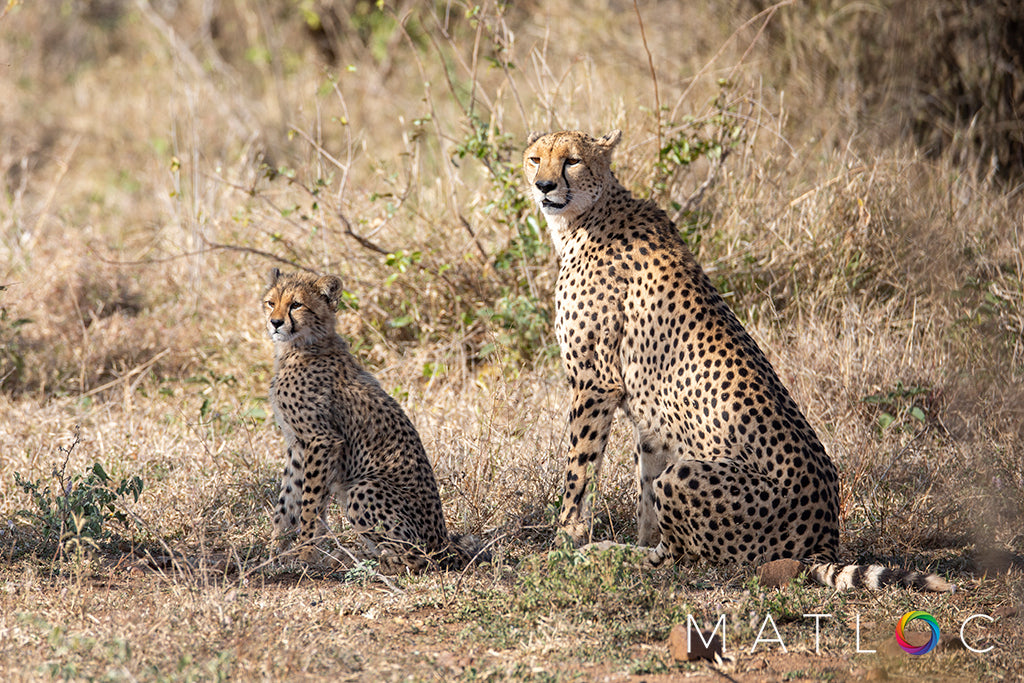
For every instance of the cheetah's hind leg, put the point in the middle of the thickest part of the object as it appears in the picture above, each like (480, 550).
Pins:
(727, 510)
(651, 457)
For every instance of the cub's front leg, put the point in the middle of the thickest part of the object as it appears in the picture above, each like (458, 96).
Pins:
(324, 463)
(289, 501)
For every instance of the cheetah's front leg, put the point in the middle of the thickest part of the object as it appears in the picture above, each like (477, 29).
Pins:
(289, 501)
(589, 424)
(324, 461)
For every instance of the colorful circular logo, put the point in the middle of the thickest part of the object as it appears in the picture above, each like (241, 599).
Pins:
(926, 618)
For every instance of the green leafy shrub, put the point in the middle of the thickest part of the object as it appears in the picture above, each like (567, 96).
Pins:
(590, 584)
(77, 507)
(901, 407)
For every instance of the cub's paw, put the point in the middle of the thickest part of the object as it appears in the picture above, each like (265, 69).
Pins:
(574, 534)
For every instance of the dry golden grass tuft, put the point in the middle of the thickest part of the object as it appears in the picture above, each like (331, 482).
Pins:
(159, 157)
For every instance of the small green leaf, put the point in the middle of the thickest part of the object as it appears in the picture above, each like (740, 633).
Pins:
(255, 413)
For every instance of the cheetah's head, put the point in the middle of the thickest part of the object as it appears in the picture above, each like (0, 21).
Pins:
(568, 170)
(300, 307)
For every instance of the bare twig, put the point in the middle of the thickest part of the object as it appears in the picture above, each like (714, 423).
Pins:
(441, 137)
(184, 54)
(654, 74)
(767, 13)
(320, 149)
(207, 246)
(65, 489)
(128, 375)
(695, 198)
(364, 242)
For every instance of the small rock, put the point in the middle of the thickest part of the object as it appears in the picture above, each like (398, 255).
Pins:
(451, 662)
(948, 643)
(997, 560)
(697, 650)
(778, 573)
(891, 647)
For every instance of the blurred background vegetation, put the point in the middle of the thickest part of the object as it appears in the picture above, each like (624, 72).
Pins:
(848, 173)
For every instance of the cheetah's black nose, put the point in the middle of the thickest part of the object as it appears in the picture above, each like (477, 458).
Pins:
(546, 186)
(276, 322)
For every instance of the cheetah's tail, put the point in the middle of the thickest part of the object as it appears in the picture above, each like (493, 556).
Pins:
(876, 577)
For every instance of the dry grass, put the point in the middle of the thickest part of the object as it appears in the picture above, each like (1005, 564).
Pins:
(159, 157)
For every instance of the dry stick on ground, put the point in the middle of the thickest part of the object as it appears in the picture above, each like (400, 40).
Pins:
(373, 570)
(464, 571)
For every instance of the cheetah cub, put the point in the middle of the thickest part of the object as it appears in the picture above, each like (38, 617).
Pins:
(345, 436)
(728, 468)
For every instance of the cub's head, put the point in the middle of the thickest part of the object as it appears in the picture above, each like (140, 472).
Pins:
(568, 170)
(300, 307)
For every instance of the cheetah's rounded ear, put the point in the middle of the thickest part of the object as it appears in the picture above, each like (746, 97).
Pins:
(533, 137)
(611, 139)
(329, 286)
(272, 276)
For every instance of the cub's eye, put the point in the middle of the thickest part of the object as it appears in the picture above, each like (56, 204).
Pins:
(295, 305)
(268, 303)
(535, 160)
(572, 161)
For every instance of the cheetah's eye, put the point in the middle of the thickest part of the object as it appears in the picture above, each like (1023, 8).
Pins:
(572, 161)
(535, 161)
(268, 303)
(295, 305)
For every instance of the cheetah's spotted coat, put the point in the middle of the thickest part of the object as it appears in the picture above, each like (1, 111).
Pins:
(345, 436)
(728, 468)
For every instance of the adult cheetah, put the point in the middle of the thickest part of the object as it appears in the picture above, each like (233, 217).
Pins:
(346, 436)
(728, 468)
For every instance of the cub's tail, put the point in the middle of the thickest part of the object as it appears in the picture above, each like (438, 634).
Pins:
(463, 550)
(876, 577)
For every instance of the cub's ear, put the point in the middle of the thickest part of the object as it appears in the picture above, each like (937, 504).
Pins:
(533, 137)
(329, 286)
(272, 276)
(610, 140)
